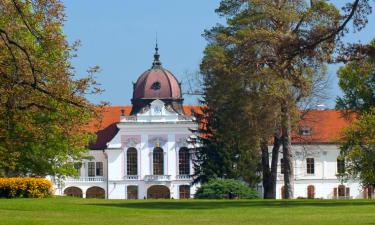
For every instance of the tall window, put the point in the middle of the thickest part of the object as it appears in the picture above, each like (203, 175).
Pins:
(184, 161)
(158, 161)
(99, 168)
(340, 166)
(91, 169)
(282, 166)
(310, 166)
(131, 161)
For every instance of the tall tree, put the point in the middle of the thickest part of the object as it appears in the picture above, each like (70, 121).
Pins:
(357, 81)
(43, 109)
(279, 47)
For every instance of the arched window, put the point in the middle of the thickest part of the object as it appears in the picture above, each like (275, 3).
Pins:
(310, 191)
(73, 192)
(158, 161)
(131, 161)
(95, 192)
(184, 161)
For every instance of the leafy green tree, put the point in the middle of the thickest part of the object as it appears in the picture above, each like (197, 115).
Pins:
(43, 109)
(357, 81)
(358, 149)
(272, 50)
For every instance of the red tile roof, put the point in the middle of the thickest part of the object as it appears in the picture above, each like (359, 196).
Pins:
(325, 125)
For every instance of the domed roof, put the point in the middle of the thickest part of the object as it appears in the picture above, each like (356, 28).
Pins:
(157, 83)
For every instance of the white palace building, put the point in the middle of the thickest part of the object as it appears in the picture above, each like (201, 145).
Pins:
(142, 150)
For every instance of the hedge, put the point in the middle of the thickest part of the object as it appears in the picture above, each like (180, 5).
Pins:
(19, 187)
(225, 189)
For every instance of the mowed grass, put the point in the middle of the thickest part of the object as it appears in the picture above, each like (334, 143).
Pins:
(64, 210)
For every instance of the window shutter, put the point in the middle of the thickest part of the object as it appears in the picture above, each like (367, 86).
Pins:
(335, 193)
(347, 192)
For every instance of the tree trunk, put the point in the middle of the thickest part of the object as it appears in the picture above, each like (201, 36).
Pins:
(275, 160)
(266, 170)
(287, 151)
(270, 175)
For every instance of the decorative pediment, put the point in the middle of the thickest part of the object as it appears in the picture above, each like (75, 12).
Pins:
(157, 141)
(130, 141)
(156, 110)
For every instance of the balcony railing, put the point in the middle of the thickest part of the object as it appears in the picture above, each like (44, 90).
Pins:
(157, 177)
(131, 177)
(184, 177)
(85, 179)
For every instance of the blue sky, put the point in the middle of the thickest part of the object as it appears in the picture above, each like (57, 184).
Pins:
(119, 36)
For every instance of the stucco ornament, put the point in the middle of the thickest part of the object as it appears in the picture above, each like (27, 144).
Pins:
(130, 141)
(157, 141)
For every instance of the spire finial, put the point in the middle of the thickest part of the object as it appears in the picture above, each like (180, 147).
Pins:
(156, 63)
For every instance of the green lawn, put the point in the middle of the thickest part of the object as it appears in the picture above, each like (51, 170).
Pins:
(94, 211)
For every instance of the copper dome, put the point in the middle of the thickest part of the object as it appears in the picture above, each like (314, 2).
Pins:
(156, 83)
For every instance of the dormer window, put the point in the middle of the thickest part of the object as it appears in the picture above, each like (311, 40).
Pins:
(156, 86)
(305, 131)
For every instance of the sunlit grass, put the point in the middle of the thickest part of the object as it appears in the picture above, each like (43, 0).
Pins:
(94, 211)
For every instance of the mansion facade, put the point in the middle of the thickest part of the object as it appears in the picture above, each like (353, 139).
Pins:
(142, 151)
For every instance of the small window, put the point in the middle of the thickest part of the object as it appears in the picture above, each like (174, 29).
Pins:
(310, 191)
(305, 131)
(156, 86)
(184, 191)
(91, 169)
(343, 192)
(282, 166)
(310, 167)
(132, 192)
(99, 168)
(340, 166)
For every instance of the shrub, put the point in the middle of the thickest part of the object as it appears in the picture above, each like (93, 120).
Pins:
(19, 187)
(225, 189)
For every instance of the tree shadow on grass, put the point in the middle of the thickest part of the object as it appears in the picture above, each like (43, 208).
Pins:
(212, 204)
